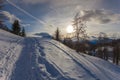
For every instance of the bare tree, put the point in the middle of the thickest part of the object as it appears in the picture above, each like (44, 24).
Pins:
(116, 53)
(80, 33)
(79, 27)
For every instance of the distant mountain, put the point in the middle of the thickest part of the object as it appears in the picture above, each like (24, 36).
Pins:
(93, 40)
(43, 35)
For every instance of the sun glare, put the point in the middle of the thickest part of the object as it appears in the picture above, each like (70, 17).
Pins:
(69, 29)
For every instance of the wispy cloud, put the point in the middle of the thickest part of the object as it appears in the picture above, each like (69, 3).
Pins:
(25, 25)
(9, 16)
(34, 1)
(99, 16)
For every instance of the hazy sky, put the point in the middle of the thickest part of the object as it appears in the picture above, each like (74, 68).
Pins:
(45, 15)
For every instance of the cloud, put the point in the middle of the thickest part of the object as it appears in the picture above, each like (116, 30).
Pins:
(9, 16)
(26, 25)
(99, 16)
(34, 1)
(110, 4)
(60, 13)
(62, 3)
(12, 18)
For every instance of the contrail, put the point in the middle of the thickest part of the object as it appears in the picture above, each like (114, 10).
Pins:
(42, 22)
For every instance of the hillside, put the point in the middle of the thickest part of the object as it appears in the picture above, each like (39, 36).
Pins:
(34, 58)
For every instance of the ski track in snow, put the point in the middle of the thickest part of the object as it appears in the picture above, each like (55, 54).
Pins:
(10, 57)
(81, 66)
(54, 73)
(7, 54)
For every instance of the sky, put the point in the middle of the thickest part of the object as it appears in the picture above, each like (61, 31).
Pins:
(46, 15)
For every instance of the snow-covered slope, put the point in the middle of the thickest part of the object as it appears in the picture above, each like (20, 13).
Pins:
(46, 59)
(10, 47)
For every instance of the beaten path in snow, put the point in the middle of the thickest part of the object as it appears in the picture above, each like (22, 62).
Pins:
(46, 59)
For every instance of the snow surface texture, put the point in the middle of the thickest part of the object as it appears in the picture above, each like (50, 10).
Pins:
(46, 59)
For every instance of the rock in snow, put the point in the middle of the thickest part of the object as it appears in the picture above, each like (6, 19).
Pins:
(35, 58)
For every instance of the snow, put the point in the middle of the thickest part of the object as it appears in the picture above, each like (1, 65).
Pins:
(9, 52)
(34, 58)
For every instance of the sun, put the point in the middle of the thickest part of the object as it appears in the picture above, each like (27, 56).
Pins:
(69, 29)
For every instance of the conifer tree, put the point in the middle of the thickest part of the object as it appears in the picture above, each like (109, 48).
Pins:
(23, 32)
(16, 27)
(57, 34)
